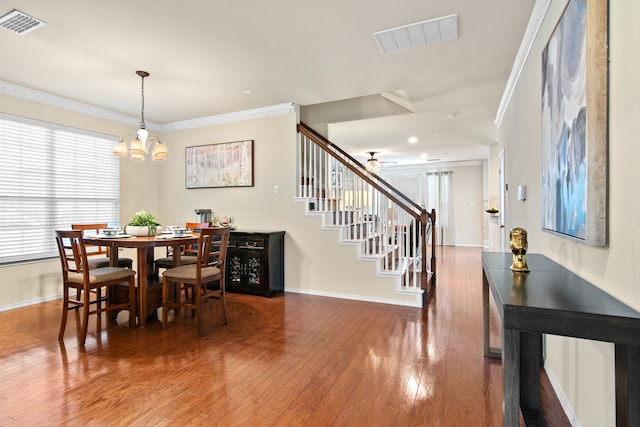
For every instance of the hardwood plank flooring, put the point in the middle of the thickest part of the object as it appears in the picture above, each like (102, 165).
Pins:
(292, 360)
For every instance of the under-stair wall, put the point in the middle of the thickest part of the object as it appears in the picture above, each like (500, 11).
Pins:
(385, 226)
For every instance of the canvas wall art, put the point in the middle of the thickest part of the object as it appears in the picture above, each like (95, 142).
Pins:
(228, 164)
(574, 124)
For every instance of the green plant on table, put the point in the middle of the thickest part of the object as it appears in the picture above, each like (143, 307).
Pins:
(143, 218)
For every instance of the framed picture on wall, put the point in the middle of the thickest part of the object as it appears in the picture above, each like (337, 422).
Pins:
(574, 124)
(229, 164)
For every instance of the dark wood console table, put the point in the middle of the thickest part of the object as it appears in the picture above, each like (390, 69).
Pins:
(552, 300)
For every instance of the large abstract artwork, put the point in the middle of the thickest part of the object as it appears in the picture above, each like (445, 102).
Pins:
(229, 164)
(574, 124)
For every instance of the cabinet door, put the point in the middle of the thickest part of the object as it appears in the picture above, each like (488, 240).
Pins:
(255, 278)
(235, 268)
(246, 271)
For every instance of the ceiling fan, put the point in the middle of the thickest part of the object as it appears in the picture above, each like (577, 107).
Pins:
(374, 164)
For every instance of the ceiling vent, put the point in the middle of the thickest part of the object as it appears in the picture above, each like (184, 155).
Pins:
(19, 22)
(418, 34)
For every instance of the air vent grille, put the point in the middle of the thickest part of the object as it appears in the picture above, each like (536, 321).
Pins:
(418, 34)
(19, 22)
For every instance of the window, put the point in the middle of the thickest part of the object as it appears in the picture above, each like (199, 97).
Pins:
(52, 176)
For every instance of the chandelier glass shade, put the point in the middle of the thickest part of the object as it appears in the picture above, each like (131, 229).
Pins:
(137, 147)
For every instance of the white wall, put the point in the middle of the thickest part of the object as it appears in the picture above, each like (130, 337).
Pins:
(468, 205)
(584, 369)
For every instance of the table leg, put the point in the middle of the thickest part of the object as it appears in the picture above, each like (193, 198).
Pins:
(113, 262)
(530, 362)
(511, 376)
(485, 315)
(113, 256)
(143, 253)
(627, 385)
(490, 352)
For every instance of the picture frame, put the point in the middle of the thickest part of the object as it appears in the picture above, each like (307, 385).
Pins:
(227, 164)
(574, 124)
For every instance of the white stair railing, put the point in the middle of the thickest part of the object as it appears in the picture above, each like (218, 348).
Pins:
(370, 212)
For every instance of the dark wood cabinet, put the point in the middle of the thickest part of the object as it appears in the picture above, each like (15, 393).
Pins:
(255, 262)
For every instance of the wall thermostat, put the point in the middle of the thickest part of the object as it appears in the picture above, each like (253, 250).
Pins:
(522, 192)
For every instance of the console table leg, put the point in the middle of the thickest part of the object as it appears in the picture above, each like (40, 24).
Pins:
(511, 375)
(485, 315)
(530, 358)
(627, 385)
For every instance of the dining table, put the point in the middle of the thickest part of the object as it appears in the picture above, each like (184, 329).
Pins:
(146, 274)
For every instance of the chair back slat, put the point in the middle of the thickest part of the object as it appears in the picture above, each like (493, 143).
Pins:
(73, 254)
(212, 247)
(93, 250)
(192, 248)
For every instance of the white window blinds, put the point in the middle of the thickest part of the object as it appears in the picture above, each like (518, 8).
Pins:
(51, 177)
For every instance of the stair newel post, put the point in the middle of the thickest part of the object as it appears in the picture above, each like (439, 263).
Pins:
(424, 278)
(433, 246)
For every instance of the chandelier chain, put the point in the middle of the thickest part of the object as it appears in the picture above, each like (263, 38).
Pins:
(142, 124)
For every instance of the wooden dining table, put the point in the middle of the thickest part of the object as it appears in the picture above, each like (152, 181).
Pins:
(146, 274)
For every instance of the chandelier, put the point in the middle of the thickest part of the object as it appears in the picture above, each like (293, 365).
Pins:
(137, 148)
(372, 163)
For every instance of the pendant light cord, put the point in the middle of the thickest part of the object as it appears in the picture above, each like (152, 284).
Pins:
(142, 124)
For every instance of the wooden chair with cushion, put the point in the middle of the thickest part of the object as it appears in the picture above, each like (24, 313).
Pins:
(98, 256)
(189, 252)
(212, 250)
(78, 277)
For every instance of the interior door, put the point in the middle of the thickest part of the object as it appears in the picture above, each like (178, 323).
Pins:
(503, 204)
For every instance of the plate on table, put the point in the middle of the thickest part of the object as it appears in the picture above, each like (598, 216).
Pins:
(118, 236)
(172, 236)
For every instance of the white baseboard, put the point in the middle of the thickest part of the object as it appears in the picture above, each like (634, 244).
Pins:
(354, 297)
(564, 402)
(27, 303)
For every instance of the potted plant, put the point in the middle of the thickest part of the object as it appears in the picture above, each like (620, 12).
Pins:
(143, 224)
(492, 211)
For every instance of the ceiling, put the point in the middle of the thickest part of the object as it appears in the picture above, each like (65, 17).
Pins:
(205, 55)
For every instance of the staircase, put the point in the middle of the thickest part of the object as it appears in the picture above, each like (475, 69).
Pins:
(386, 226)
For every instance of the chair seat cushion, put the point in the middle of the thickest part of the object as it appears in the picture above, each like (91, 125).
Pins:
(103, 274)
(188, 272)
(104, 262)
(167, 262)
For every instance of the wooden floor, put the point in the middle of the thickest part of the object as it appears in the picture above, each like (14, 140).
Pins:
(292, 360)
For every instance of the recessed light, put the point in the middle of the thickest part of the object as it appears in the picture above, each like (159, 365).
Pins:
(248, 92)
(423, 155)
(413, 140)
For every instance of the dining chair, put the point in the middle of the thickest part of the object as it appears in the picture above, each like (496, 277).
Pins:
(94, 251)
(212, 250)
(79, 277)
(188, 252)
(98, 256)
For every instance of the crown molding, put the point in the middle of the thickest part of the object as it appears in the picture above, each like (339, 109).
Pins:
(17, 91)
(255, 113)
(533, 27)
